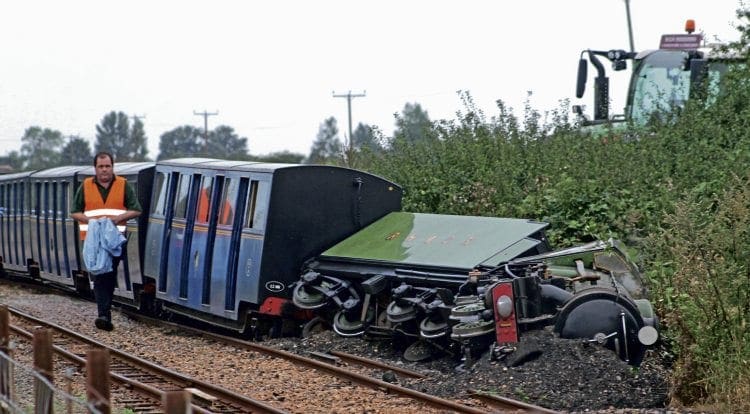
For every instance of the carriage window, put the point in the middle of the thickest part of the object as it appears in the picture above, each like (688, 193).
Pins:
(64, 199)
(7, 200)
(228, 201)
(7, 203)
(159, 200)
(44, 207)
(35, 194)
(204, 200)
(2, 200)
(70, 197)
(53, 202)
(13, 202)
(252, 197)
(183, 186)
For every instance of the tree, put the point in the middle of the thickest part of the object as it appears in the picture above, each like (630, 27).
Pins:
(115, 135)
(76, 152)
(13, 160)
(184, 141)
(139, 141)
(413, 124)
(364, 138)
(285, 157)
(223, 143)
(327, 145)
(39, 148)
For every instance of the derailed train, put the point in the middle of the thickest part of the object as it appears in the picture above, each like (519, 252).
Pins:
(248, 245)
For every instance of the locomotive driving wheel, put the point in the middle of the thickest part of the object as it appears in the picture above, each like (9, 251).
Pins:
(400, 313)
(309, 298)
(344, 326)
(433, 329)
(472, 329)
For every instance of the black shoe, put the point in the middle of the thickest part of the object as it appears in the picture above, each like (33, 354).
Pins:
(103, 323)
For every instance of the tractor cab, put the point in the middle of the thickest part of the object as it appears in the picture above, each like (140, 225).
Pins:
(662, 79)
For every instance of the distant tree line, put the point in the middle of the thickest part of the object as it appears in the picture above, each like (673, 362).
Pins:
(412, 125)
(46, 147)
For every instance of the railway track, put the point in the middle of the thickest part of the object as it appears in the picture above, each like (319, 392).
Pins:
(146, 379)
(330, 363)
(353, 368)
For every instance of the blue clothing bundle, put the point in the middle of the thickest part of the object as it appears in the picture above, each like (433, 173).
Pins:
(103, 241)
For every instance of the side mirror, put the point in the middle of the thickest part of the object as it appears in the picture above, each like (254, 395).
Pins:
(583, 70)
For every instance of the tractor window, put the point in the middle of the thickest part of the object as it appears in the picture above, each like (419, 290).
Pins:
(660, 85)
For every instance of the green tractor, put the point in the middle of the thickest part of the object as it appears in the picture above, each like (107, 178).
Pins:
(662, 79)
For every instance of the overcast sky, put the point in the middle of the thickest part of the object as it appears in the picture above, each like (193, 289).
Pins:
(270, 68)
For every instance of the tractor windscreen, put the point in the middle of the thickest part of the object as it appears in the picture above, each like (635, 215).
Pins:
(662, 81)
(660, 84)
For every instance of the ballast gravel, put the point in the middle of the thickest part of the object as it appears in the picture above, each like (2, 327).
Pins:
(558, 374)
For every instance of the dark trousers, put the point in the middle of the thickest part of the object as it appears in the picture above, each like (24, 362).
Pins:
(104, 290)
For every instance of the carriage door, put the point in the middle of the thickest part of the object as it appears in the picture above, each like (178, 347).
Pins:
(46, 205)
(4, 226)
(204, 230)
(178, 238)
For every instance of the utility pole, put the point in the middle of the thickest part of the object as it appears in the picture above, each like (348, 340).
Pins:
(137, 117)
(630, 25)
(205, 116)
(349, 97)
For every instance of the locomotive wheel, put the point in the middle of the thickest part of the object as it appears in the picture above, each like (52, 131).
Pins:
(344, 327)
(420, 351)
(472, 329)
(398, 314)
(314, 326)
(467, 312)
(430, 329)
(308, 299)
(600, 312)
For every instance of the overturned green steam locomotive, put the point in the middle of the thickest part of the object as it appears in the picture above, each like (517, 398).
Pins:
(466, 285)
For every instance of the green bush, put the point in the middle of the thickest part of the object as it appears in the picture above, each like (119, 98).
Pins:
(702, 279)
(669, 190)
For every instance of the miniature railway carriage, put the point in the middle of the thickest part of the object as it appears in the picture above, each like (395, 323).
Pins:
(227, 238)
(53, 234)
(15, 242)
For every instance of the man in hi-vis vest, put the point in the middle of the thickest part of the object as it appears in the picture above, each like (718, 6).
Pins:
(105, 195)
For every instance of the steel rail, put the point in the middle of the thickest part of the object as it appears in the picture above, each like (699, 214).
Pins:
(374, 383)
(219, 392)
(504, 403)
(376, 364)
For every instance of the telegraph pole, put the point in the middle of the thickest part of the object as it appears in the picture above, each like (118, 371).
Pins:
(349, 97)
(205, 116)
(137, 117)
(630, 25)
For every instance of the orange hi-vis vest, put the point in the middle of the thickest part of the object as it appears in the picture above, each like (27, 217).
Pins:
(203, 209)
(95, 207)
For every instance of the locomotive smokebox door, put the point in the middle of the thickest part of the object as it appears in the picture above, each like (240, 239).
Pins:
(503, 303)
